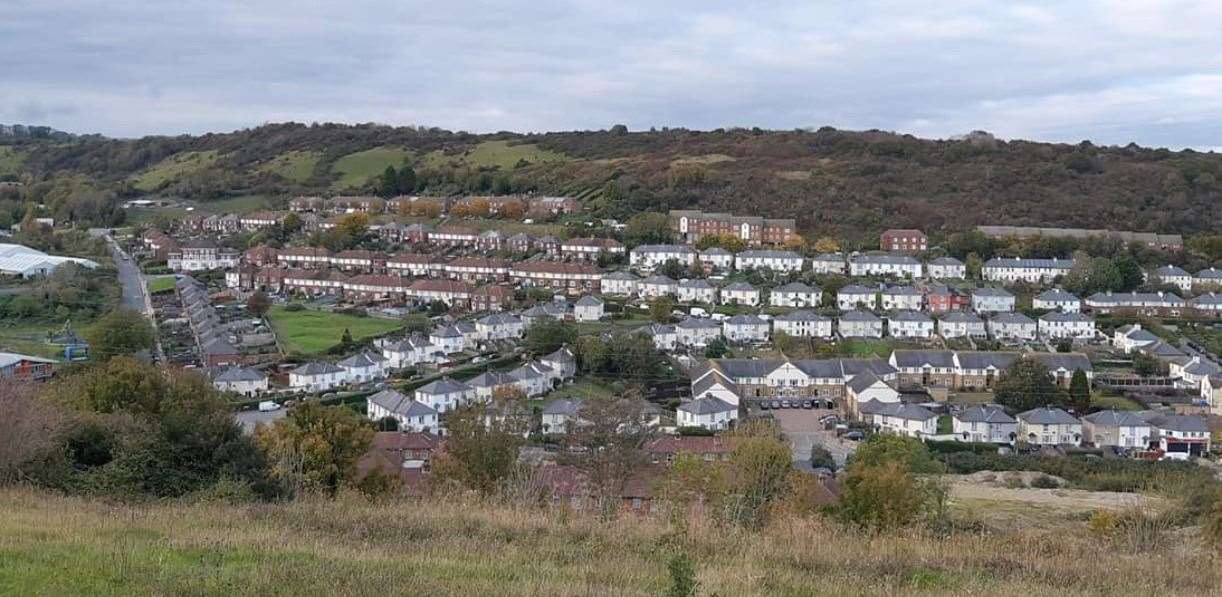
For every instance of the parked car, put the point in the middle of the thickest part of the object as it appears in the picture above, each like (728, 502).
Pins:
(763, 404)
(854, 436)
(785, 404)
(807, 404)
(268, 406)
(776, 404)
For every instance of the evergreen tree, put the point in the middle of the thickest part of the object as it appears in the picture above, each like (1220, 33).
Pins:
(407, 180)
(389, 186)
(1079, 393)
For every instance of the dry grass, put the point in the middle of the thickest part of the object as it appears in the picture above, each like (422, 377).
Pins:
(56, 545)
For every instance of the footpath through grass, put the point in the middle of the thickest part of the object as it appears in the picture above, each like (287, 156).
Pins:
(313, 332)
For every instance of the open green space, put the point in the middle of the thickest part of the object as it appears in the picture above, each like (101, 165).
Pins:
(173, 167)
(869, 348)
(313, 332)
(11, 160)
(30, 338)
(294, 166)
(357, 169)
(489, 154)
(1113, 402)
(160, 284)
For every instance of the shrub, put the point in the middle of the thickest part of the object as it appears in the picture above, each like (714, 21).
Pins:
(682, 576)
(885, 496)
(1045, 482)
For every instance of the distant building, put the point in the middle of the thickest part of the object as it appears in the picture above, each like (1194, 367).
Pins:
(690, 226)
(903, 240)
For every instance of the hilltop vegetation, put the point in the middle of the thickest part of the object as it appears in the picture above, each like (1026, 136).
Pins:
(851, 184)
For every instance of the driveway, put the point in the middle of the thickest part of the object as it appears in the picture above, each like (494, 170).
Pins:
(803, 430)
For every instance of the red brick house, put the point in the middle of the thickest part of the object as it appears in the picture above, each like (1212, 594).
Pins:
(903, 239)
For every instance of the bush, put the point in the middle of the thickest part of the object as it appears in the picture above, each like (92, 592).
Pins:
(1045, 482)
(821, 458)
(292, 307)
(695, 431)
(951, 447)
(886, 496)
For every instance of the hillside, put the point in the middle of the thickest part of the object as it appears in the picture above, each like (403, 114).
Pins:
(848, 183)
(56, 546)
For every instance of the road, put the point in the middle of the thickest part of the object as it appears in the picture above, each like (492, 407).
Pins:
(803, 430)
(134, 292)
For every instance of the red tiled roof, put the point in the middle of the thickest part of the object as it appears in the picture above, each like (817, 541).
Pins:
(688, 443)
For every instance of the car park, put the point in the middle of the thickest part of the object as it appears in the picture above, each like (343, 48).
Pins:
(785, 404)
(807, 404)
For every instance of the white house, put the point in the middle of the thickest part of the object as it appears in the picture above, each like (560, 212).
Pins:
(1012, 326)
(445, 394)
(696, 291)
(317, 377)
(409, 414)
(992, 300)
(408, 352)
(622, 283)
(947, 268)
(909, 324)
(895, 298)
(795, 294)
(1129, 338)
(860, 324)
(559, 414)
(1190, 373)
(500, 326)
(562, 362)
(961, 324)
(1175, 276)
(663, 335)
(697, 332)
(867, 387)
(777, 261)
(648, 257)
(1035, 271)
(907, 420)
(829, 263)
(1057, 300)
(1049, 426)
(1211, 393)
(740, 293)
(1208, 279)
(854, 296)
(717, 258)
(240, 380)
(900, 266)
(657, 286)
(364, 366)
(1119, 429)
(447, 339)
(1210, 302)
(803, 324)
(710, 413)
(745, 328)
(984, 423)
(588, 308)
(1066, 325)
(1144, 302)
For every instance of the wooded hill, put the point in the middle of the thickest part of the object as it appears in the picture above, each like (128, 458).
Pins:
(852, 184)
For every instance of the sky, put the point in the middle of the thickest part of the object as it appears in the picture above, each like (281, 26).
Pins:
(1113, 72)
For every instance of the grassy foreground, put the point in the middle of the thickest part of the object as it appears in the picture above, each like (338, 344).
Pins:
(51, 545)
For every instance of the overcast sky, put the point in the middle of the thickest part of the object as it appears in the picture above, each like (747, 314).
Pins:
(1148, 71)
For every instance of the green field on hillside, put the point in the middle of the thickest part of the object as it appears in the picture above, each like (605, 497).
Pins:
(173, 167)
(313, 332)
(160, 284)
(295, 166)
(30, 338)
(357, 169)
(10, 160)
(498, 154)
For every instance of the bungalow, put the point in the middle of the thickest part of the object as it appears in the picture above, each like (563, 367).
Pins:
(855, 297)
(795, 294)
(1049, 426)
(558, 415)
(740, 293)
(657, 286)
(899, 266)
(777, 261)
(1146, 303)
(901, 298)
(408, 352)
(363, 367)
(445, 394)
(1066, 325)
(1057, 300)
(588, 308)
(746, 328)
(992, 300)
(409, 415)
(1012, 326)
(663, 335)
(985, 423)
(961, 324)
(1129, 338)
(803, 324)
(860, 324)
(696, 291)
(500, 326)
(716, 259)
(1118, 429)
(447, 339)
(829, 264)
(240, 380)
(697, 332)
(318, 376)
(1034, 271)
(947, 268)
(907, 420)
(621, 283)
(909, 324)
(648, 257)
(1173, 276)
(709, 413)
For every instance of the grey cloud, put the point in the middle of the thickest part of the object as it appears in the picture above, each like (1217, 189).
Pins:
(1111, 71)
